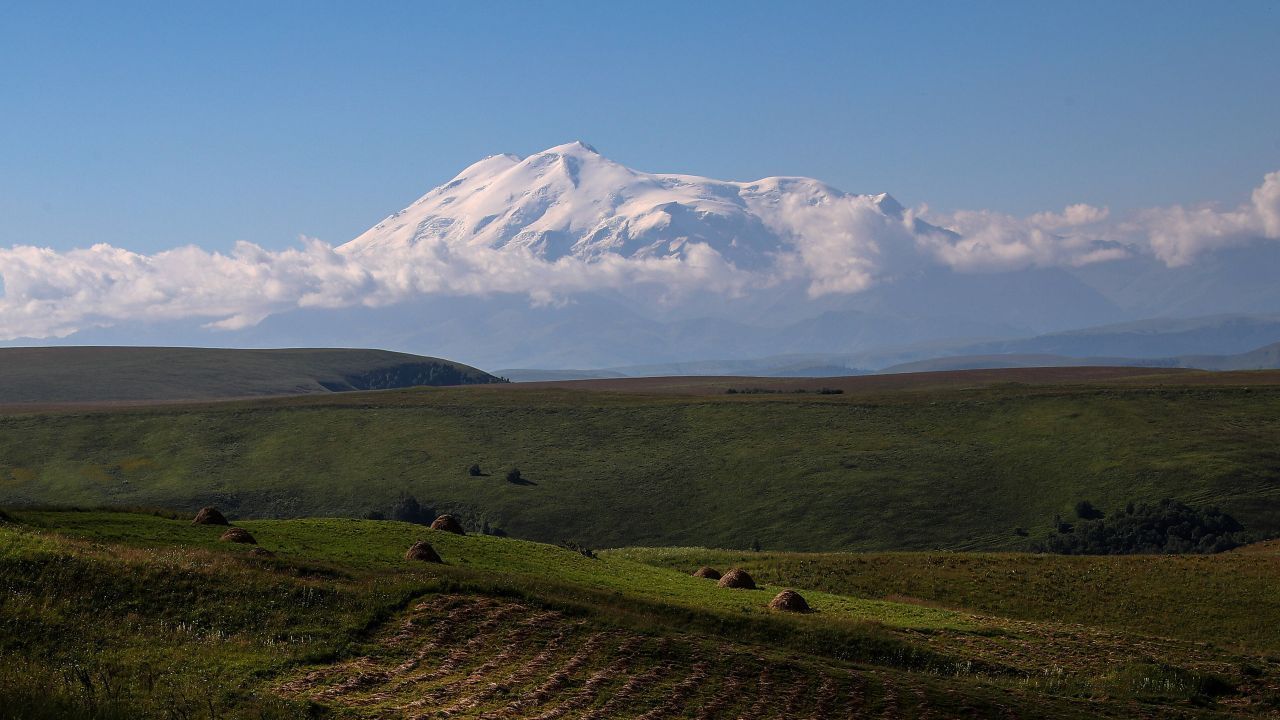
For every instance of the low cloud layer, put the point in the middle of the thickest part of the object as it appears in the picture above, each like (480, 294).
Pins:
(1083, 234)
(843, 246)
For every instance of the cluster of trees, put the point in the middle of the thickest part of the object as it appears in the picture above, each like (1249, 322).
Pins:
(406, 508)
(1155, 528)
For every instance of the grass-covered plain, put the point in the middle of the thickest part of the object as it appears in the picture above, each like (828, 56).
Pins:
(131, 615)
(938, 461)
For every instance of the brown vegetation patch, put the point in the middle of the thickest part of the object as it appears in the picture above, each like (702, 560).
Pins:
(709, 573)
(209, 516)
(789, 601)
(261, 552)
(737, 578)
(423, 551)
(238, 535)
(448, 523)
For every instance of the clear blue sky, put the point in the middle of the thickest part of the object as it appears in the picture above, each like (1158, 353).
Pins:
(153, 125)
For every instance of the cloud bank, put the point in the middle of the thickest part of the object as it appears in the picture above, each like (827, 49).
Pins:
(844, 245)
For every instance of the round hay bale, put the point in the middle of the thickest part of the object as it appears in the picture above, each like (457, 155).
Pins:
(209, 516)
(261, 552)
(448, 523)
(789, 601)
(709, 573)
(238, 535)
(423, 551)
(738, 579)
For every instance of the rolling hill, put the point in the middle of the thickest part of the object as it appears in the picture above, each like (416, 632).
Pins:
(935, 460)
(103, 374)
(115, 615)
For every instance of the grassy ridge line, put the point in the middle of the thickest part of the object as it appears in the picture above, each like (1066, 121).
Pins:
(44, 375)
(381, 544)
(897, 470)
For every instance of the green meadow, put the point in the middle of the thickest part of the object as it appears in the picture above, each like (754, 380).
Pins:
(961, 466)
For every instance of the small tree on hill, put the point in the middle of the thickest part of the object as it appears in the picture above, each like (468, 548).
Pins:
(514, 476)
(408, 509)
(1086, 511)
(474, 470)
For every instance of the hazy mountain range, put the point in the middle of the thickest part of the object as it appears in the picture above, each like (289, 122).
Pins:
(566, 259)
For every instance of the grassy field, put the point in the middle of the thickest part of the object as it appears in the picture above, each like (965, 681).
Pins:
(110, 615)
(1226, 598)
(938, 461)
(53, 375)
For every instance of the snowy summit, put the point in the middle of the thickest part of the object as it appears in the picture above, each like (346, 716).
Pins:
(570, 200)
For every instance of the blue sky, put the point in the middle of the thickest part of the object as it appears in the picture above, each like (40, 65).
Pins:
(148, 125)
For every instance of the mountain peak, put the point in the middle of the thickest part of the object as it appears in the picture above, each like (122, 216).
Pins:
(888, 204)
(569, 200)
(577, 147)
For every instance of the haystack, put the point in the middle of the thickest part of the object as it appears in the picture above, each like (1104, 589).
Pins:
(238, 535)
(709, 573)
(448, 523)
(209, 516)
(261, 552)
(739, 579)
(789, 601)
(423, 551)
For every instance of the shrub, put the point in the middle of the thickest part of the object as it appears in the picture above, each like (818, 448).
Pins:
(579, 548)
(514, 476)
(475, 471)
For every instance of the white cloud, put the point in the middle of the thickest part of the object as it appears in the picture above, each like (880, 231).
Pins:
(837, 245)
(986, 241)
(844, 245)
(1083, 234)
(1177, 235)
(53, 294)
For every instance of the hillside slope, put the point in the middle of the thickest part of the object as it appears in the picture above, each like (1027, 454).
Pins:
(895, 462)
(98, 374)
(112, 615)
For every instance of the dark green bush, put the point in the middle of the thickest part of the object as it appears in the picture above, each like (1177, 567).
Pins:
(1154, 528)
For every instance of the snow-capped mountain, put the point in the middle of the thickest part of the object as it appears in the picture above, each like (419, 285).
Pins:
(566, 259)
(570, 200)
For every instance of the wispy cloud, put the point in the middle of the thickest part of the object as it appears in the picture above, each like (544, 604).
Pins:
(843, 246)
